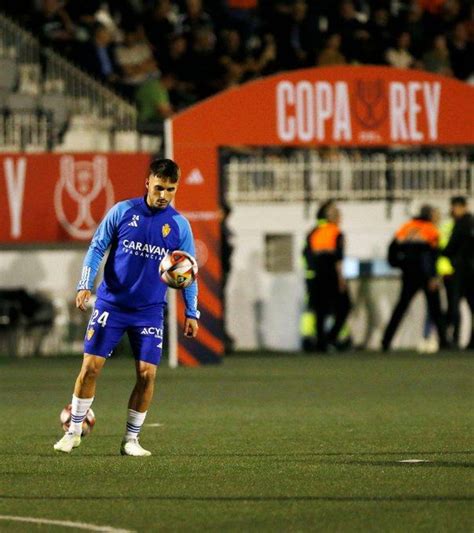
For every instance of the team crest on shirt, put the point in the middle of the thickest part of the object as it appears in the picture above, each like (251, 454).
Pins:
(165, 230)
(90, 333)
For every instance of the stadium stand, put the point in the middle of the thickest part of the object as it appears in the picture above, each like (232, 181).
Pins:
(200, 48)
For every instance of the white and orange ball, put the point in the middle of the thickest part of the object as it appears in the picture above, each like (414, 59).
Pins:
(87, 424)
(178, 269)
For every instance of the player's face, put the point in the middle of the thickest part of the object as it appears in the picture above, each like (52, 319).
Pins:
(160, 192)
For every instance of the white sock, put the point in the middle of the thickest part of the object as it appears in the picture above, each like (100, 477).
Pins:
(80, 406)
(134, 423)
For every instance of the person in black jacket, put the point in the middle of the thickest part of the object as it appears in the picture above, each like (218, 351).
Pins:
(328, 292)
(97, 56)
(415, 249)
(460, 249)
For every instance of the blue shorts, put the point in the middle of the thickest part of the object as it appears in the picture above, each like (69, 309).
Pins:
(108, 323)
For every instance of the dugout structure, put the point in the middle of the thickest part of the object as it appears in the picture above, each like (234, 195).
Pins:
(348, 107)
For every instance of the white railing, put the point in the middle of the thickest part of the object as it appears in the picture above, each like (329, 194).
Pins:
(27, 132)
(83, 94)
(314, 175)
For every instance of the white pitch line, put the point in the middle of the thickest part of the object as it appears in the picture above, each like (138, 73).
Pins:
(64, 523)
(154, 425)
(414, 461)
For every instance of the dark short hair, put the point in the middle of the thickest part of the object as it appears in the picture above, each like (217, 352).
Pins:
(459, 200)
(165, 169)
(426, 212)
(323, 209)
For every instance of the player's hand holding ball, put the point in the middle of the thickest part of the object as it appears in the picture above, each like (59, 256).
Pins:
(178, 269)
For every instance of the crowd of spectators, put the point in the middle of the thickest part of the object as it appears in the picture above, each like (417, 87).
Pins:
(165, 55)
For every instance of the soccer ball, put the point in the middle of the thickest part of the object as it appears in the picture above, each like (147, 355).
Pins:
(178, 269)
(87, 424)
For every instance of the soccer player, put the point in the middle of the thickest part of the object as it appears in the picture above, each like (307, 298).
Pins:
(131, 298)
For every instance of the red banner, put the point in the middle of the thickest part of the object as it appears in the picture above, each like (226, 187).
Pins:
(335, 106)
(50, 198)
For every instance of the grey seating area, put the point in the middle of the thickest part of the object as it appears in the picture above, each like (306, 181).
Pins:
(47, 102)
(8, 73)
(38, 116)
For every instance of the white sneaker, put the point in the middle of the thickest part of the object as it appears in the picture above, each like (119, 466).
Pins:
(68, 442)
(131, 446)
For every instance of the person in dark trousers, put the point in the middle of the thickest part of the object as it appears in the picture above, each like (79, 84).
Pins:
(328, 290)
(460, 249)
(415, 249)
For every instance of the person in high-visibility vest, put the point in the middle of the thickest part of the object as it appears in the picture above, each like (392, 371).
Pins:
(415, 249)
(445, 270)
(327, 288)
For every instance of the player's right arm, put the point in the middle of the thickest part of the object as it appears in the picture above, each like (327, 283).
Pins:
(100, 242)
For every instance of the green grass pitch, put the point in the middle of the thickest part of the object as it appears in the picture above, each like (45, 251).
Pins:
(283, 443)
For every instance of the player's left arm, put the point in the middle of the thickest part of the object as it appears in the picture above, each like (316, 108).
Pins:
(190, 294)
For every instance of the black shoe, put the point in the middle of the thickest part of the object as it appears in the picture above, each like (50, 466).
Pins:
(341, 346)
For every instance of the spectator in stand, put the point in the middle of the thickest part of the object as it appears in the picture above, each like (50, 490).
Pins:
(194, 19)
(84, 16)
(160, 25)
(176, 60)
(399, 55)
(233, 57)
(242, 14)
(295, 39)
(461, 51)
(263, 58)
(135, 59)
(153, 103)
(53, 26)
(436, 59)
(98, 56)
(203, 66)
(413, 24)
(331, 54)
(353, 31)
(381, 31)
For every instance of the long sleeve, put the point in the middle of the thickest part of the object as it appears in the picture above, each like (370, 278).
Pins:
(99, 244)
(186, 243)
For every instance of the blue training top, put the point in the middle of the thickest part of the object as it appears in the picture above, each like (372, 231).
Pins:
(139, 237)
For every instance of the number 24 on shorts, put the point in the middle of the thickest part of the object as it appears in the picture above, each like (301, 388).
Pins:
(102, 319)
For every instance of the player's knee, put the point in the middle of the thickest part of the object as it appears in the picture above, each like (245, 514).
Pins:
(146, 376)
(90, 372)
